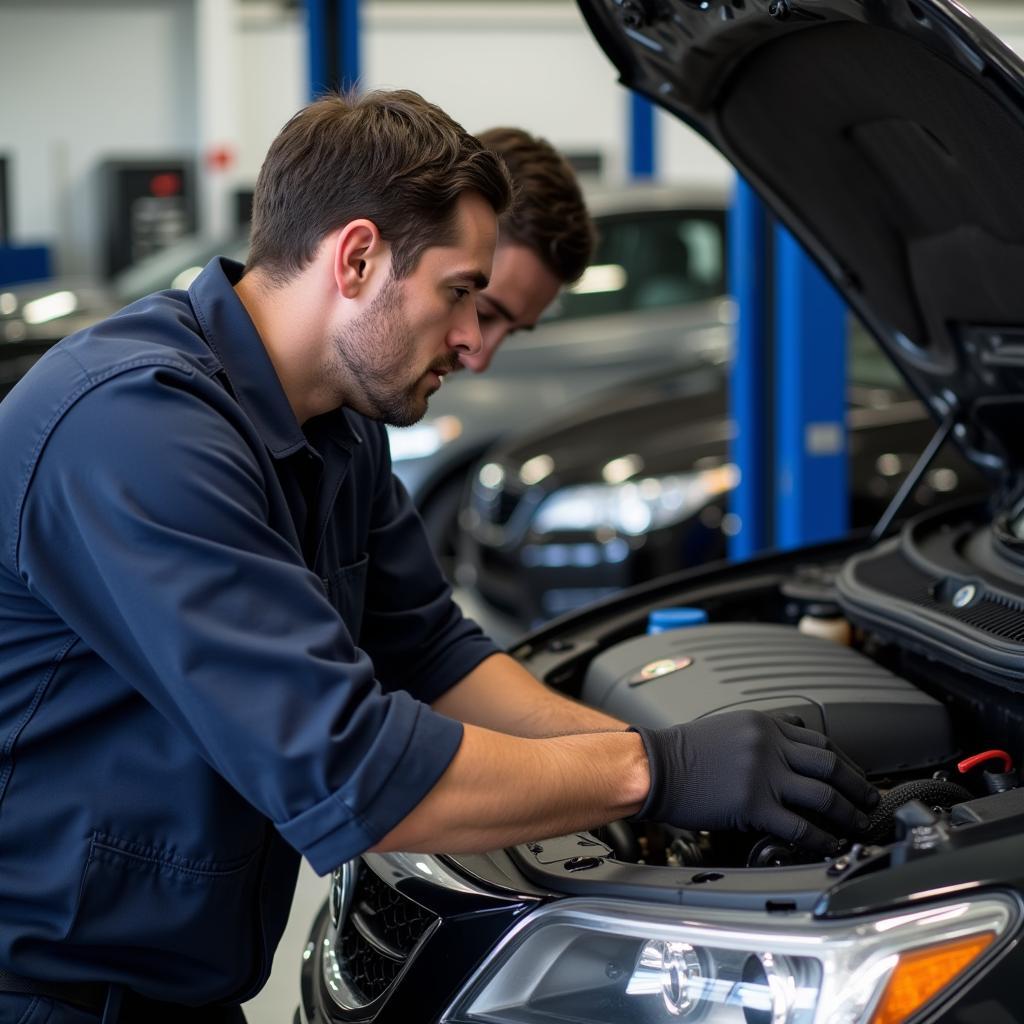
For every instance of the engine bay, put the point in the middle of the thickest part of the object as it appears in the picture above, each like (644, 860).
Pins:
(850, 653)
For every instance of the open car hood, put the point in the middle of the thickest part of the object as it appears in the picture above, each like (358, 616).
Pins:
(888, 135)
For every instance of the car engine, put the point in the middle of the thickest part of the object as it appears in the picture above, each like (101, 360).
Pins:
(896, 654)
(902, 737)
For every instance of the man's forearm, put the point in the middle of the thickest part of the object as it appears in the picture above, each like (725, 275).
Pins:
(500, 790)
(500, 694)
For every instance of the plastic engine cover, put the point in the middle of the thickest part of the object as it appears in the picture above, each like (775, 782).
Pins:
(883, 722)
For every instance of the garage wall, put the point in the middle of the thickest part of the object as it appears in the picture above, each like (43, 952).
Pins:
(84, 79)
(80, 82)
(546, 75)
(274, 76)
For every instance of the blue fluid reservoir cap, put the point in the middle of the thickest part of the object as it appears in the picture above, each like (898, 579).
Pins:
(675, 618)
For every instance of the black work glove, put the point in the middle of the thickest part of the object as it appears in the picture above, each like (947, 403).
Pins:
(747, 770)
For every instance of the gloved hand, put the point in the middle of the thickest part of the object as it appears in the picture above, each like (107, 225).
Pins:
(747, 770)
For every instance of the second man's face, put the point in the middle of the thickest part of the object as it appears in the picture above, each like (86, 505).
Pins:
(520, 289)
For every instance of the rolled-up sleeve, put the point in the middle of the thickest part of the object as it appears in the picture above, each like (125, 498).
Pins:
(145, 527)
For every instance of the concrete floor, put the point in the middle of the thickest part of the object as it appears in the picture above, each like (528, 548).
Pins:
(280, 996)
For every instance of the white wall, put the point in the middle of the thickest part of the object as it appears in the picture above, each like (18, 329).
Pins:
(530, 64)
(80, 82)
(274, 77)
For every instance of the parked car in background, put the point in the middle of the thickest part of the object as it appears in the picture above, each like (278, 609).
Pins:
(635, 483)
(43, 312)
(888, 137)
(653, 298)
(36, 315)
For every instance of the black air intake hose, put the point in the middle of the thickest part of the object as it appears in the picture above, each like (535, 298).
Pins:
(931, 792)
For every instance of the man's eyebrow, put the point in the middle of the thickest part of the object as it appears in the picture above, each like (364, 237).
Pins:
(478, 279)
(503, 310)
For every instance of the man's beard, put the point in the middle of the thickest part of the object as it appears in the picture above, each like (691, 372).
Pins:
(374, 353)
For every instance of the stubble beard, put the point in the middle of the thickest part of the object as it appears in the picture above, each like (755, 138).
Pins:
(373, 353)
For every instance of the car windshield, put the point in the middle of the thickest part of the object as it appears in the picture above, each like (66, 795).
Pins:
(649, 260)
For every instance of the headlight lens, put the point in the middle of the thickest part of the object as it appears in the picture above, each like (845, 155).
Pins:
(603, 962)
(634, 507)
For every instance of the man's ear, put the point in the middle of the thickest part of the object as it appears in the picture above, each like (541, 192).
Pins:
(360, 254)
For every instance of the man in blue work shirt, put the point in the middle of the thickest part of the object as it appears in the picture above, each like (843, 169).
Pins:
(223, 640)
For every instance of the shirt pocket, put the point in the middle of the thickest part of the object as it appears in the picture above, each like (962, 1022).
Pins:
(184, 925)
(346, 590)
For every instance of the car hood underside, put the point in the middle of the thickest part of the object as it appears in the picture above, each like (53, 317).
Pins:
(888, 137)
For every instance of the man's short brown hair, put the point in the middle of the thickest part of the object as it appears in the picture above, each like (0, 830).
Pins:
(548, 214)
(388, 156)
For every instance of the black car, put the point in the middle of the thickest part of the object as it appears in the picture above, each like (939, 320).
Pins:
(889, 137)
(634, 483)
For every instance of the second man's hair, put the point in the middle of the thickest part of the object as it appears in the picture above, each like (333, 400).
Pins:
(548, 214)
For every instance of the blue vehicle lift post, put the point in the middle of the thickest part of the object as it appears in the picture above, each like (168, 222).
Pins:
(811, 492)
(333, 37)
(641, 138)
(787, 389)
(749, 403)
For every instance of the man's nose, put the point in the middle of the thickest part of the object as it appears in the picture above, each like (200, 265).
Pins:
(465, 336)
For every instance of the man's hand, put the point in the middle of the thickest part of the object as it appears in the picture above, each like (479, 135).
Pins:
(749, 771)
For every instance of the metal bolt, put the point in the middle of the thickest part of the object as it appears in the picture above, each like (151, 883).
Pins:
(964, 596)
(779, 9)
(838, 866)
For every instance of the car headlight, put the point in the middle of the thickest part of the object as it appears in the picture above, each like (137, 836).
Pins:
(606, 962)
(634, 507)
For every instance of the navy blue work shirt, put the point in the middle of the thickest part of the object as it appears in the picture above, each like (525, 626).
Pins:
(219, 636)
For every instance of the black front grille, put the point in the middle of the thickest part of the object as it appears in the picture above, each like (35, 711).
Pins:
(391, 921)
(376, 938)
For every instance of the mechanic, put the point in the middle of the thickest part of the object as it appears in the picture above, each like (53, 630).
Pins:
(225, 642)
(545, 240)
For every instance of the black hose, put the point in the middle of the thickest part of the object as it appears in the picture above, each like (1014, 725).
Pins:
(931, 792)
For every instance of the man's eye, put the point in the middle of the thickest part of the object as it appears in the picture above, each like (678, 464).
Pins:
(460, 293)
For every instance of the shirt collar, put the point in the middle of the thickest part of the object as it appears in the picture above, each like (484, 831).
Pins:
(234, 340)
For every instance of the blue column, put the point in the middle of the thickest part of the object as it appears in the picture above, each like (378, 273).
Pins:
(333, 38)
(320, 71)
(348, 44)
(749, 382)
(641, 137)
(811, 503)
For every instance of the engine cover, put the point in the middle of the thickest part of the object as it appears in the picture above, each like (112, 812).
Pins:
(883, 722)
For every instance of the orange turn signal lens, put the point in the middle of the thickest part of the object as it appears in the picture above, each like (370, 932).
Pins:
(923, 973)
